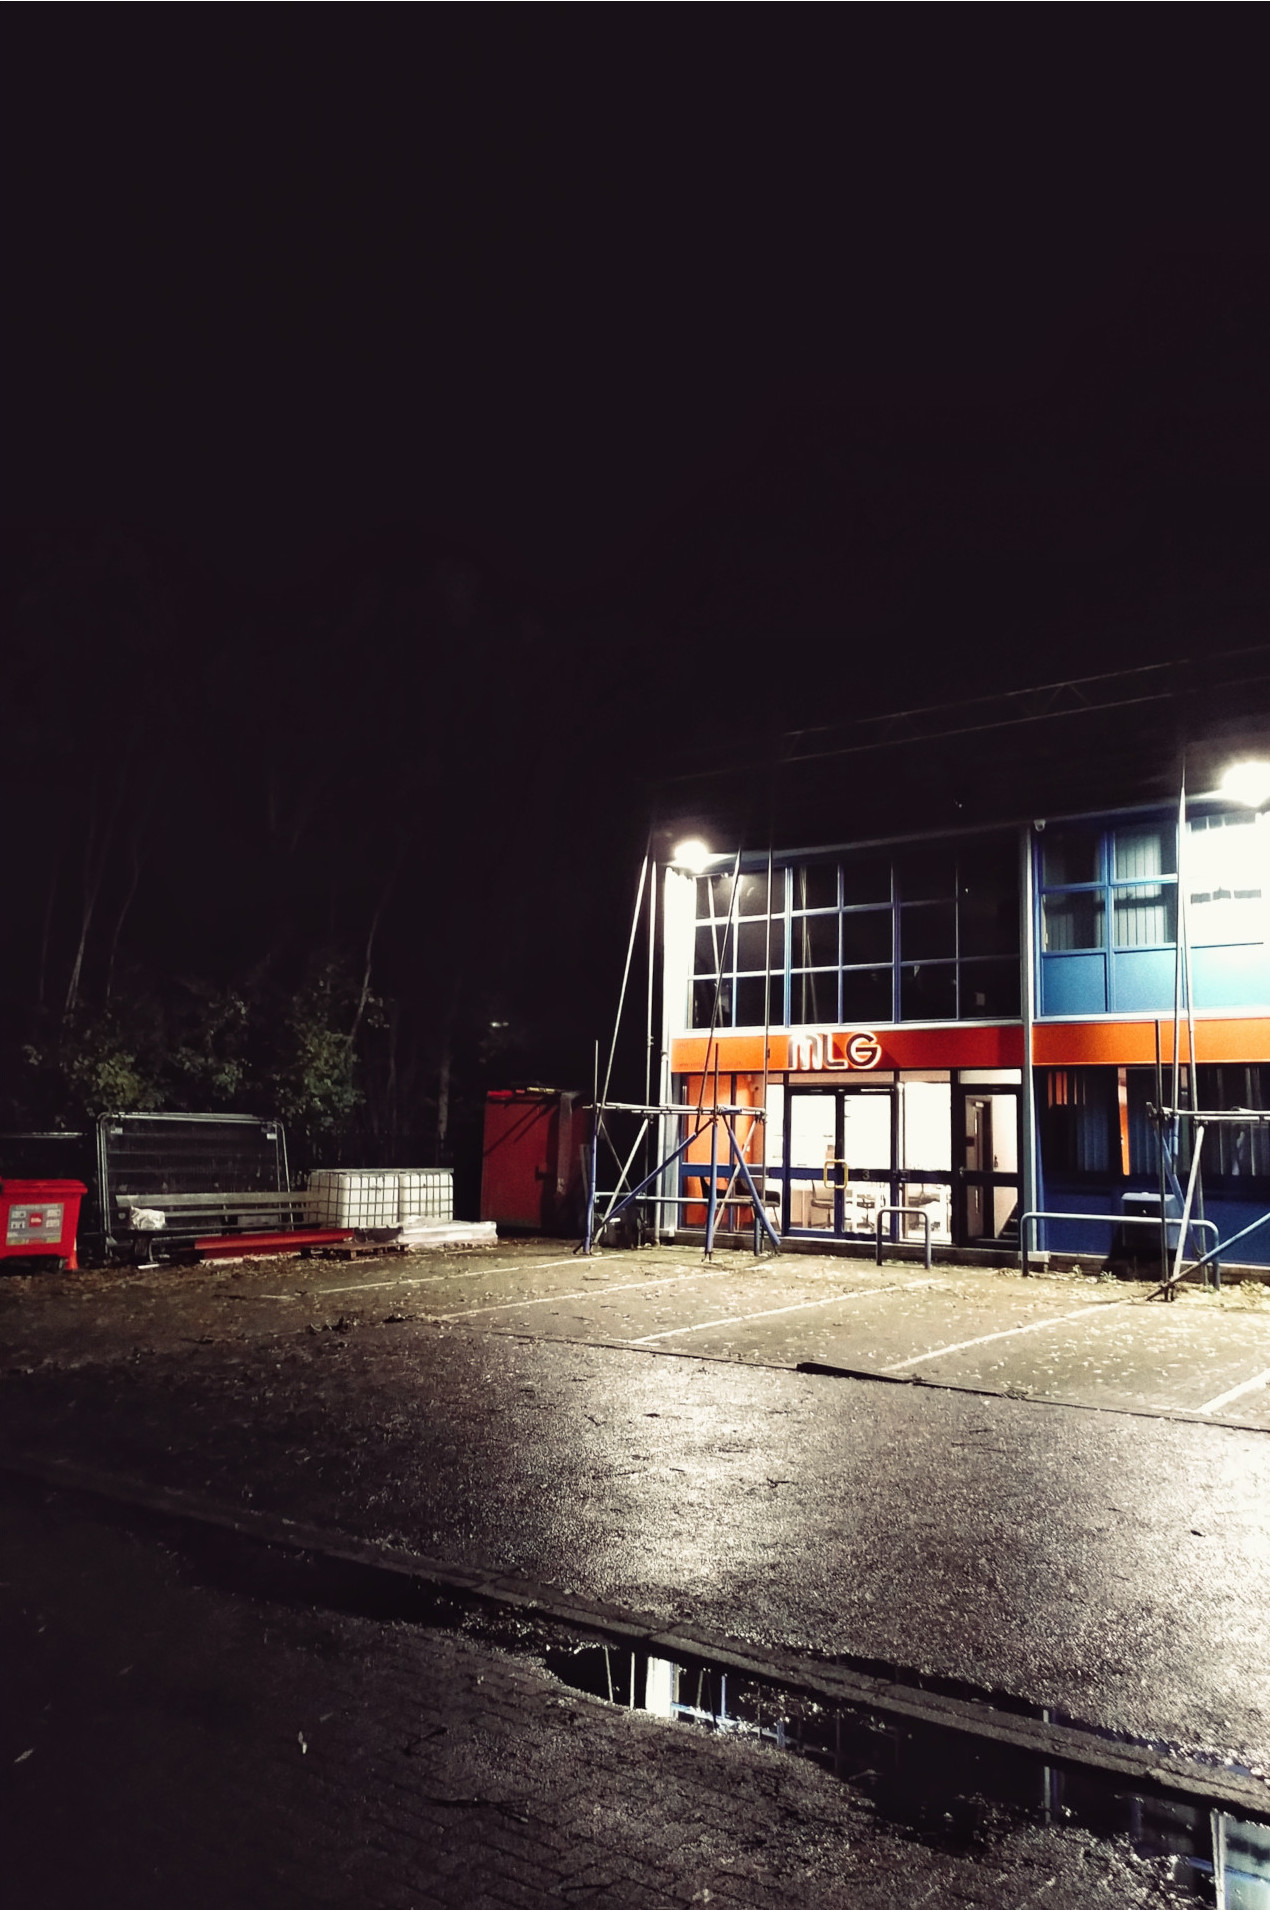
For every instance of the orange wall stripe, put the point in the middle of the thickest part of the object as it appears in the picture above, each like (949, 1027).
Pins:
(1076, 1044)
(955, 1046)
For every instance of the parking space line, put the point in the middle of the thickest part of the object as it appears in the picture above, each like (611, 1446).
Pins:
(590, 1293)
(1236, 1392)
(1033, 1326)
(421, 1279)
(768, 1313)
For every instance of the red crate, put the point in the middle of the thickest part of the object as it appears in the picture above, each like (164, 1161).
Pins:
(40, 1217)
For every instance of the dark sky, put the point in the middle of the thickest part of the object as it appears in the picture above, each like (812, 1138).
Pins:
(515, 371)
(552, 280)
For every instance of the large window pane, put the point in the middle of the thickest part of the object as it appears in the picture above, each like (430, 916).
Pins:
(926, 874)
(1235, 1152)
(989, 990)
(1070, 855)
(1074, 921)
(813, 998)
(866, 995)
(1145, 915)
(988, 922)
(1079, 1121)
(752, 944)
(1144, 852)
(928, 992)
(816, 887)
(815, 941)
(866, 879)
(751, 896)
(759, 1003)
(928, 931)
(712, 942)
(714, 896)
(703, 1004)
(866, 936)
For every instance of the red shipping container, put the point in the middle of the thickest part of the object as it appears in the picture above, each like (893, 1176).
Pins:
(532, 1174)
(40, 1217)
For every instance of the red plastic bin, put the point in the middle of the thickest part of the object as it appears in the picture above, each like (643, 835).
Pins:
(40, 1217)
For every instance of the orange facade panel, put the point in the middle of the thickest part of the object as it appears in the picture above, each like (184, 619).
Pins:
(817, 1051)
(1126, 1044)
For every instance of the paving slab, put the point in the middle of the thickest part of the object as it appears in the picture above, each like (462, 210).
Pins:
(167, 1739)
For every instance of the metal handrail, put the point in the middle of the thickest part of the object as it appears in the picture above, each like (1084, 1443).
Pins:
(1114, 1220)
(924, 1212)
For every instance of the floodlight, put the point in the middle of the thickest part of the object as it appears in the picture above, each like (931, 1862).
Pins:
(693, 856)
(1247, 782)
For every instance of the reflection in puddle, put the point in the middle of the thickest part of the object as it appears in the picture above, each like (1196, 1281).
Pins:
(942, 1783)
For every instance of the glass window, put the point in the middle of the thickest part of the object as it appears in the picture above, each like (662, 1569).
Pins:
(866, 936)
(703, 1004)
(1145, 914)
(1144, 852)
(752, 944)
(714, 895)
(751, 898)
(866, 879)
(928, 930)
(1080, 1121)
(712, 942)
(1236, 1152)
(759, 1003)
(815, 941)
(1074, 921)
(989, 990)
(867, 995)
(816, 887)
(928, 992)
(813, 998)
(1070, 855)
(926, 874)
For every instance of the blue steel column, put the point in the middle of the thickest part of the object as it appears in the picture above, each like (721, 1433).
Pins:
(1027, 1000)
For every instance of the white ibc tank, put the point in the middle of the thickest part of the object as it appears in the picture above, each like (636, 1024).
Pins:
(366, 1197)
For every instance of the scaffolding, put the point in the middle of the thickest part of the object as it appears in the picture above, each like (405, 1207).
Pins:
(659, 1120)
(1180, 1125)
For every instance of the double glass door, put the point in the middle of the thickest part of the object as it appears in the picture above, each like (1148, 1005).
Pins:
(839, 1159)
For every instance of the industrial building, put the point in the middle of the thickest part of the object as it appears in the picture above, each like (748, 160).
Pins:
(1050, 1031)
(882, 1000)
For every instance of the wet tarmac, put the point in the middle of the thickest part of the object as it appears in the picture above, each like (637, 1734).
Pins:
(634, 1428)
(176, 1727)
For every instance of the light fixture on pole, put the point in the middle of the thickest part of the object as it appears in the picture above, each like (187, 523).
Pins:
(1248, 783)
(693, 856)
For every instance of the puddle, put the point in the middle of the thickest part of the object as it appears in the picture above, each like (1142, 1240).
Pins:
(946, 1786)
(950, 1789)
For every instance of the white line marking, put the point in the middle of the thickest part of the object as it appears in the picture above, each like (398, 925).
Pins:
(420, 1279)
(739, 1319)
(1236, 1392)
(1033, 1326)
(590, 1293)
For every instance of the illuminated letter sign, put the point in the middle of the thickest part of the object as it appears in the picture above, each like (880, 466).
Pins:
(863, 1051)
(846, 1050)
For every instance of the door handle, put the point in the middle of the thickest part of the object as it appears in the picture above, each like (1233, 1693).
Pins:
(824, 1173)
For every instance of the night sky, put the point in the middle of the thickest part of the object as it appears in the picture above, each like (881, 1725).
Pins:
(429, 429)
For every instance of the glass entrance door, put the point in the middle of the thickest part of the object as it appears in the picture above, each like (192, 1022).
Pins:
(987, 1129)
(839, 1159)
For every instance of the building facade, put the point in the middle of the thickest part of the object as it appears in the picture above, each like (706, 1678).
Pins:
(973, 1025)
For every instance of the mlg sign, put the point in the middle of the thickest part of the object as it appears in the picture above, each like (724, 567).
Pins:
(844, 1050)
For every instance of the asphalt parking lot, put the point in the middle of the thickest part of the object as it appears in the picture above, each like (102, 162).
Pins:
(1081, 1341)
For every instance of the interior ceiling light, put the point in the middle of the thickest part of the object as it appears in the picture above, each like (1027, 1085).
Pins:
(1247, 782)
(693, 855)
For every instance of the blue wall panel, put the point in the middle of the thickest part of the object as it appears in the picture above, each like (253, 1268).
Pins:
(1142, 980)
(1074, 984)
